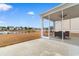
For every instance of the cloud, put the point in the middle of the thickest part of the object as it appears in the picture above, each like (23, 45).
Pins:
(30, 13)
(5, 7)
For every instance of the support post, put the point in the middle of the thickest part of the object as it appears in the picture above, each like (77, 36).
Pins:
(53, 28)
(62, 26)
(42, 27)
(70, 28)
(49, 27)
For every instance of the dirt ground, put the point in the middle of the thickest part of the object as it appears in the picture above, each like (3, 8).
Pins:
(9, 39)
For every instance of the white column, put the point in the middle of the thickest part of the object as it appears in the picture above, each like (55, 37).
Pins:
(49, 27)
(62, 25)
(54, 28)
(70, 28)
(42, 27)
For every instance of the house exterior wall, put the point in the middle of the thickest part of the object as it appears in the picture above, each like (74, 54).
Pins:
(66, 25)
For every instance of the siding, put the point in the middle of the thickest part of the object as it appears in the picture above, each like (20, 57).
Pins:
(74, 25)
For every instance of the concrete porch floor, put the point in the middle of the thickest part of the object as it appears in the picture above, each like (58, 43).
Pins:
(40, 47)
(73, 40)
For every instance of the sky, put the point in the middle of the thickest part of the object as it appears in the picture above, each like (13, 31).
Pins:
(23, 14)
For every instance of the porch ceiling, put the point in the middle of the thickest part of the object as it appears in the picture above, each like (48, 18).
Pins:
(68, 13)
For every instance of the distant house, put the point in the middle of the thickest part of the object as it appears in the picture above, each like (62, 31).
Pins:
(0, 28)
(20, 28)
(10, 28)
(3, 28)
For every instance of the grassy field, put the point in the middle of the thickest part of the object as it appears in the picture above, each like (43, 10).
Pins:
(9, 39)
